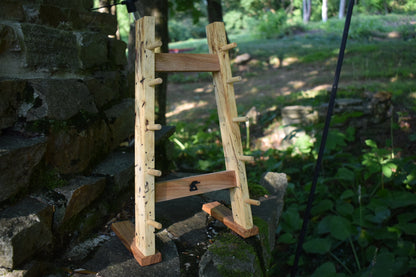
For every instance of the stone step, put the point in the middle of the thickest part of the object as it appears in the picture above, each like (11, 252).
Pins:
(25, 230)
(18, 158)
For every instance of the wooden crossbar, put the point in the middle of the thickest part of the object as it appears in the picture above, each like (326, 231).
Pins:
(165, 62)
(194, 185)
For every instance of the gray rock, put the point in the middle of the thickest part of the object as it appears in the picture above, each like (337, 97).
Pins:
(101, 92)
(58, 99)
(25, 229)
(72, 151)
(229, 255)
(275, 183)
(60, 51)
(18, 158)
(119, 166)
(113, 259)
(121, 120)
(117, 51)
(191, 230)
(80, 192)
(11, 10)
(11, 91)
(93, 49)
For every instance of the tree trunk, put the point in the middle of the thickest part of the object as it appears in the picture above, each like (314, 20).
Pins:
(324, 10)
(341, 9)
(214, 8)
(306, 10)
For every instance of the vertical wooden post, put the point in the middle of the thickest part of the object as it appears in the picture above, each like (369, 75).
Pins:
(144, 137)
(230, 130)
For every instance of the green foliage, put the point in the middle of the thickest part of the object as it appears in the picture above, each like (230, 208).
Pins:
(272, 24)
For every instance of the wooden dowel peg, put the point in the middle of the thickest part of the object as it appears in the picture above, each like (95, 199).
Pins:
(153, 223)
(154, 172)
(228, 46)
(252, 202)
(240, 119)
(246, 158)
(154, 45)
(154, 127)
(155, 82)
(234, 80)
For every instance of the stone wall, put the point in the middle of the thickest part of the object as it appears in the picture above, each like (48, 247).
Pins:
(65, 105)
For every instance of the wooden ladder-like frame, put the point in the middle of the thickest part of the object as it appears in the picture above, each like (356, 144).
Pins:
(140, 238)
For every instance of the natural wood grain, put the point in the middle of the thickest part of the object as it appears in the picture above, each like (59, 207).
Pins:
(144, 138)
(179, 188)
(186, 62)
(125, 232)
(230, 130)
(224, 214)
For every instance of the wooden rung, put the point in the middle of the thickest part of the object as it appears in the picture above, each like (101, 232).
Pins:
(154, 127)
(234, 80)
(240, 119)
(165, 62)
(228, 46)
(155, 82)
(194, 185)
(246, 158)
(154, 45)
(125, 232)
(154, 172)
(252, 202)
(155, 224)
(224, 214)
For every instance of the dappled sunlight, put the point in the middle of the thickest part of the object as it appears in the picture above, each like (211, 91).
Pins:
(185, 106)
(297, 84)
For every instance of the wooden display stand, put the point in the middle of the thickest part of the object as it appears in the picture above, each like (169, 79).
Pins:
(140, 238)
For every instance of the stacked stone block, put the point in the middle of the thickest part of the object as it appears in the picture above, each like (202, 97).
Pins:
(66, 104)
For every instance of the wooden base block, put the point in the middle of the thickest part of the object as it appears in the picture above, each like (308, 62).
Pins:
(224, 214)
(125, 232)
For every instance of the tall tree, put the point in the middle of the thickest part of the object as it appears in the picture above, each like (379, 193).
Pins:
(307, 5)
(341, 13)
(214, 9)
(324, 10)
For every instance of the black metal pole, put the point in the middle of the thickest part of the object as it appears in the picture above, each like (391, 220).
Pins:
(324, 138)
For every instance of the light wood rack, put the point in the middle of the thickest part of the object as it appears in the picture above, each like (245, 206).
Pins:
(139, 237)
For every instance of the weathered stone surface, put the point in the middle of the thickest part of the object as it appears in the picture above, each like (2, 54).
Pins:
(229, 255)
(120, 167)
(10, 10)
(11, 91)
(93, 49)
(190, 231)
(25, 229)
(113, 259)
(79, 193)
(102, 93)
(18, 157)
(60, 17)
(275, 183)
(8, 39)
(57, 99)
(117, 51)
(72, 151)
(60, 51)
(99, 22)
(31, 269)
(121, 120)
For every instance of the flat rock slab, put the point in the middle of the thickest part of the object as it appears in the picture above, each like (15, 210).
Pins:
(25, 229)
(113, 260)
(18, 157)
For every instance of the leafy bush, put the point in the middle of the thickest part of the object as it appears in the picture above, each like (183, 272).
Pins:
(272, 24)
